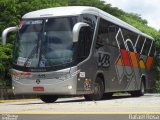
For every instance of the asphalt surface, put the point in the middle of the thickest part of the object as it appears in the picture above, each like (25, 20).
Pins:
(76, 108)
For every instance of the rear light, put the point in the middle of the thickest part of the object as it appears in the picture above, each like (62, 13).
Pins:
(38, 88)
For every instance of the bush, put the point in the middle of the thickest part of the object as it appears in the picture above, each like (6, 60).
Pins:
(5, 83)
(157, 87)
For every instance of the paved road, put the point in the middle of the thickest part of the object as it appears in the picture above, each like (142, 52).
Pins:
(76, 108)
(150, 103)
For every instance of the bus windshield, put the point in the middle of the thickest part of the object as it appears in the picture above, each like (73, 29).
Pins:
(44, 42)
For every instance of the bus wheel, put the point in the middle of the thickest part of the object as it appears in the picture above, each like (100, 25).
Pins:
(98, 90)
(139, 92)
(48, 98)
(107, 95)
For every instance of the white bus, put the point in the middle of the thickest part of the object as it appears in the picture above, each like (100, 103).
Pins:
(79, 50)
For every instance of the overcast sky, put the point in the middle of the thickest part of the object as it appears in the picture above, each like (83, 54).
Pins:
(148, 9)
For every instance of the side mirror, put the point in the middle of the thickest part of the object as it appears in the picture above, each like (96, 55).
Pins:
(76, 30)
(5, 32)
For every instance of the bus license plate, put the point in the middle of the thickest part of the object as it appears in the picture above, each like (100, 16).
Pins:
(38, 88)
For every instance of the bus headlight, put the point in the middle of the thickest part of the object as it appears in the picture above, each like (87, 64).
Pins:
(70, 87)
(13, 87)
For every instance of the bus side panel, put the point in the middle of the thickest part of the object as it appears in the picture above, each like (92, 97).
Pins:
(87, 75)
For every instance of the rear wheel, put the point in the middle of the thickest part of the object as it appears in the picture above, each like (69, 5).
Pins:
(139, 92)
(48, 98)
(98, 90)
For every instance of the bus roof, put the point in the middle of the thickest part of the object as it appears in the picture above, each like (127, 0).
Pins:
(76, 10)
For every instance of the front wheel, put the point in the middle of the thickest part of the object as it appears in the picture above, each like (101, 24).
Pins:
(98, 90)
(48, 98)
(107, 95)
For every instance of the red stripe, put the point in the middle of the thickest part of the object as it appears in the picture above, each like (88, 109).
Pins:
(125, 57)
(149, 63)
(138, 55)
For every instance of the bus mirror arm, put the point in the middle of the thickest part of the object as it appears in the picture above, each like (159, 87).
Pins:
(5, 32)
(76, 29)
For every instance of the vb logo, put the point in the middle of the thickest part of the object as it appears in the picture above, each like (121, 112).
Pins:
(103, 59)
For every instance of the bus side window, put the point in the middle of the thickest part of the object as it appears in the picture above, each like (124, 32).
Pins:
(84, 43)
(89, 19)
(113, 29)
(106, 34)
(146, 47)
(153, 50)
(140, 44)
(130, 47)
(130, 36)
(120, 40)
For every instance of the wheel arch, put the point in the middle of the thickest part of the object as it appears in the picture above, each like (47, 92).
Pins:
(143, 79)
(100, 75)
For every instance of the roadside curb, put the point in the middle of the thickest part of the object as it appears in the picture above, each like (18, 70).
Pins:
(7, 94)
(17, 100)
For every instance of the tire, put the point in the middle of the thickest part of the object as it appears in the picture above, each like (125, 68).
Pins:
(48, 98)
(107, 95)
(98, 90)
(139, 92)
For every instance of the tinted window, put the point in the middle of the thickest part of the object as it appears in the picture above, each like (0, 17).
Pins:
(45, 43)
(85, 36)
(152, 52)
(146, 47)
(130, 47)
(120, 40)
(90, 19)
(84, 43)
(140, 44)
(106, 33)
(130, 35)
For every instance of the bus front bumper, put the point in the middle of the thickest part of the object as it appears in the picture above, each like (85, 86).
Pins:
(52, 86)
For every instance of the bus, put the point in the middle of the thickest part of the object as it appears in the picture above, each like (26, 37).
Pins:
(79, 50)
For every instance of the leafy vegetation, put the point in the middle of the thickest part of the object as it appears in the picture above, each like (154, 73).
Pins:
(157, 87)
(12, 11)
